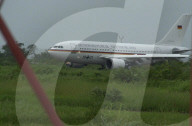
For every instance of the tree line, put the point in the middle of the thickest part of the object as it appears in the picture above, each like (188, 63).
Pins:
(7, 58)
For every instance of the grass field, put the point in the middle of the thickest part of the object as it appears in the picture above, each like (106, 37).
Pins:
(89, 96)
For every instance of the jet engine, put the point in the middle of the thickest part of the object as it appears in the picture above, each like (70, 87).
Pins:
(115, 63)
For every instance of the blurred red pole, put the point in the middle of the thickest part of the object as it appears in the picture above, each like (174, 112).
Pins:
(25, 67)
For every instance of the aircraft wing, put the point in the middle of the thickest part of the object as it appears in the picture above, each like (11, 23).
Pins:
(145, 56)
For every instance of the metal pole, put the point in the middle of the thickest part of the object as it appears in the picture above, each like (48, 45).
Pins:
(27, 70)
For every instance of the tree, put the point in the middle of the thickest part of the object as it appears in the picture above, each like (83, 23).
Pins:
(31, 49)
(6, 50)
(42, 57)
(7, 56)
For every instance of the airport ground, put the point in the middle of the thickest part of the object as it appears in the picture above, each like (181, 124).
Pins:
(137, 96)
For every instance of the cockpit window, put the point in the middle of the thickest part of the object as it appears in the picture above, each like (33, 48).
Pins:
(58, 46)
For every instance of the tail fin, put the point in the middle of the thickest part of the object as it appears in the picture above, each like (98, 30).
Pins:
(176, 34)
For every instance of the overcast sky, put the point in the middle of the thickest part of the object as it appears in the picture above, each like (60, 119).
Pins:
(29, 19)
(42, 21)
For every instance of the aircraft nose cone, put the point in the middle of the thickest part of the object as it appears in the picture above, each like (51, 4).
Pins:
(50, 52)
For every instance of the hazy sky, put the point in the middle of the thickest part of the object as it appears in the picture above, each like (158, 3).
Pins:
(29, 19)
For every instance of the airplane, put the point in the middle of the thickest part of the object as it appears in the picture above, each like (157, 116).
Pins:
(122, 55)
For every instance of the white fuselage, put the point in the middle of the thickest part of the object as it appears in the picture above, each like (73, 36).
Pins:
(87, 52)
(116, 55)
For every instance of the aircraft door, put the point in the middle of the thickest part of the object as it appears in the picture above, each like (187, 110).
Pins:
(157, 50)
(72, 45)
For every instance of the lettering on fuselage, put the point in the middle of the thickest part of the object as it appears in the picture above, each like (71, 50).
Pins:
(104, 46)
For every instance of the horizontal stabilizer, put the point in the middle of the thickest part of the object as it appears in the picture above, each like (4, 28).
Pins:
(180, 51)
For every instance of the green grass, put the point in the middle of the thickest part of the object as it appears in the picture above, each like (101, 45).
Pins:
(7, 103)
(85, 94)
(74, 101)
(164, 118)
(163, 100)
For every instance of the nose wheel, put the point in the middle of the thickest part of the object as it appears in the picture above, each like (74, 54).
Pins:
(68, 64)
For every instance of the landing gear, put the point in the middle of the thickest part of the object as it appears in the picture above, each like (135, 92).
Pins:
(75, 65)
(68, 64)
